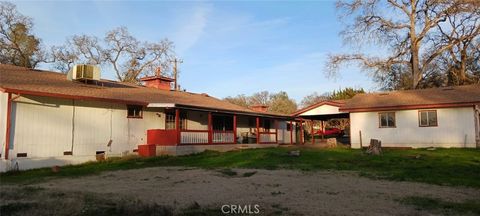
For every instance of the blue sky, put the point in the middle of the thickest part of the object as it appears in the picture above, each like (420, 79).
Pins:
(228, 48)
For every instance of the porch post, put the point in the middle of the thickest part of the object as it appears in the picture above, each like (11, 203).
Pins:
(210, 128)
(235, 129)
(323, 129)
(301, 131)
(177, 124)
(313, 135)
(276, 131)
(258, 130)
(291, 132)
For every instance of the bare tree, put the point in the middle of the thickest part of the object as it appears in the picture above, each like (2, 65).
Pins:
(277, 102)
(260, 98)
(463, 30)
(402, 27)
(79, 49)
(130, 58)
(119, 50)
(313, 99)
(18, 46)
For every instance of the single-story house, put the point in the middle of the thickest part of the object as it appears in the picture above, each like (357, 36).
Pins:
(437, 117)
(48, 118)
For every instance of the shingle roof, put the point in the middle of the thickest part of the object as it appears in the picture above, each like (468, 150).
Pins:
(38, 82)
(467, 95)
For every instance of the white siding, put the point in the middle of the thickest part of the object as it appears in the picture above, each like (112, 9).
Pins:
(455, 129)
(322, 110)
(284, 134)
(41, 127)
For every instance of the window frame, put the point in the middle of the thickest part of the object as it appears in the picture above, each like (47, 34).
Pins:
(140, 114)
(169, 121)
(183, 120)
(388, 126)
(428, 119)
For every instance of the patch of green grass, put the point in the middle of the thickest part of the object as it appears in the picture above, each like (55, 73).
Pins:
(443, 207)
(196, 210)
(441, 166)
(16, 207)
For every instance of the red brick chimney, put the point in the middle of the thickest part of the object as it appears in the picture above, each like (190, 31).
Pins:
(259, 108)
(158, 81)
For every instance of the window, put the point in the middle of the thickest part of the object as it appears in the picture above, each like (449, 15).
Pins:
(222, 123)
(134, 111)
(266, 125)
(387, 119)
(170, 120)
(427, 118)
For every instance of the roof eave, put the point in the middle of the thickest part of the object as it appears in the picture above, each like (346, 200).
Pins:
(408, 107)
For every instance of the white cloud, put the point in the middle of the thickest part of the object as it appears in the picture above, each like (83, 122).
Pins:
(192, 28)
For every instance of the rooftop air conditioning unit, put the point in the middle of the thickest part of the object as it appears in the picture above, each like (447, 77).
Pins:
(84, 72)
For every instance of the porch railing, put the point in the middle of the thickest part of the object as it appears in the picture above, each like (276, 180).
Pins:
(268, 137)
(194, 137)
(223, 137)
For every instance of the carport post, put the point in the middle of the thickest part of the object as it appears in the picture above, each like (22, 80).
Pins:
(323, 133)
(258, 130)
(313, 135)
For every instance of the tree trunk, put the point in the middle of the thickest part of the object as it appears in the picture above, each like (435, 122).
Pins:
(414, 47)
(461, 71)
(375, 147)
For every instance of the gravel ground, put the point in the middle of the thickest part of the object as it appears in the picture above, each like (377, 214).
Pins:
(282, 191)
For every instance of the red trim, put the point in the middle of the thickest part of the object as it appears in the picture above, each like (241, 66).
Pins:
(194, 130)
(267, 133)
(157, 77)
(9, 123)
(222, 131)
(331, 103)
(406, 107)
(291, 132)
(301, 131)
(177, 124)
(210, 128)
(161, 137)
(77, 97)
(312, 133)
(235, 128)
(258, 130)
(135, 117)
(276, 131)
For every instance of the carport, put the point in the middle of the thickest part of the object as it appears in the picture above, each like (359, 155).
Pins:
(312, 121)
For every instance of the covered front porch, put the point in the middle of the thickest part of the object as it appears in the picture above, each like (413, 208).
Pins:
(190, 128)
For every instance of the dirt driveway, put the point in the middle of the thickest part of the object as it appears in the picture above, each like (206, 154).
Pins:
(281, 191)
